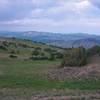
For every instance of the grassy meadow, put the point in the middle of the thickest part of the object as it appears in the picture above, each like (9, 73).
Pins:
(24, 74)
(21, 76)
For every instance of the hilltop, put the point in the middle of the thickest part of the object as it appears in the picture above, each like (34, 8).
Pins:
(57, 39)
(27, 49)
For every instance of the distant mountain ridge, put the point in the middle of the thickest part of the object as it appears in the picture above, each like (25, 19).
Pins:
(57, 39)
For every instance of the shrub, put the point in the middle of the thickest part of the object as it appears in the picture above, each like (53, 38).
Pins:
(12, 56)
(52, 56)
(5, 43)
(3, 47)
(35, 53)
(13, 52)
(75, 57)
(58, 55)
(94, 51)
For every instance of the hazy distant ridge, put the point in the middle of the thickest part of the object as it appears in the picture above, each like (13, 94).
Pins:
(60, 40)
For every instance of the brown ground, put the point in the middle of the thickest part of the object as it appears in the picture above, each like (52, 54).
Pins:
(51, 95)
(82, 97)
(90, 71)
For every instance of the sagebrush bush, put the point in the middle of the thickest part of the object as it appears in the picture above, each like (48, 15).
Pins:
(75, 57)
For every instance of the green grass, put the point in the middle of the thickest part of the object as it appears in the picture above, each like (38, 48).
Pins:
(30, 74)
(20, 73)
(40, 84)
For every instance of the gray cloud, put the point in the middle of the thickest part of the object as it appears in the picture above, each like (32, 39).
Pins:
(50, 15)
(19, 9)
(14, 9)
(96, 3)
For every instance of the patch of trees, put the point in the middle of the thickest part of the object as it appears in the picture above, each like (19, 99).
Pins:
(37, 54)
(75, 57)
(79, 56)
(45, 54)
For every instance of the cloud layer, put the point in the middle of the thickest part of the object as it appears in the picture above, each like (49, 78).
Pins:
(50, 15)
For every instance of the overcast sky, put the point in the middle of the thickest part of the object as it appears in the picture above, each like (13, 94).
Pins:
(62, 16)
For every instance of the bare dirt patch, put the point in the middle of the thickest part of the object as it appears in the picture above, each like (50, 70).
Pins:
(49, 95)
(90, 72)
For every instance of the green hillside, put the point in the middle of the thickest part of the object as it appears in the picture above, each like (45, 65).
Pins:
(24, 72)
(26, 49)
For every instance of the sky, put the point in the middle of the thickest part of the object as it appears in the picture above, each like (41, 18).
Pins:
(59, 16)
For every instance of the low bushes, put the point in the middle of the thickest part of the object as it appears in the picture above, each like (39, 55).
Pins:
(3, 47)
(12, 56)
(75, 57)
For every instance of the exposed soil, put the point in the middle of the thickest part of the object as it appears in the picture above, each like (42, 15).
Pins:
(69, 95)
(82, 97)
(90, 71)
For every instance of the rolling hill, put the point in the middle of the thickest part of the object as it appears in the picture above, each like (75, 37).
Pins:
(24, 49)
(22, 77)
(57, 39)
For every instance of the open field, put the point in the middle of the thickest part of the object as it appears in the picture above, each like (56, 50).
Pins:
(25, 79)
(16, 73)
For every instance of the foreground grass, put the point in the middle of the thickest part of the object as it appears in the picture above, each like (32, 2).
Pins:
(39, 84)
(30, 74)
